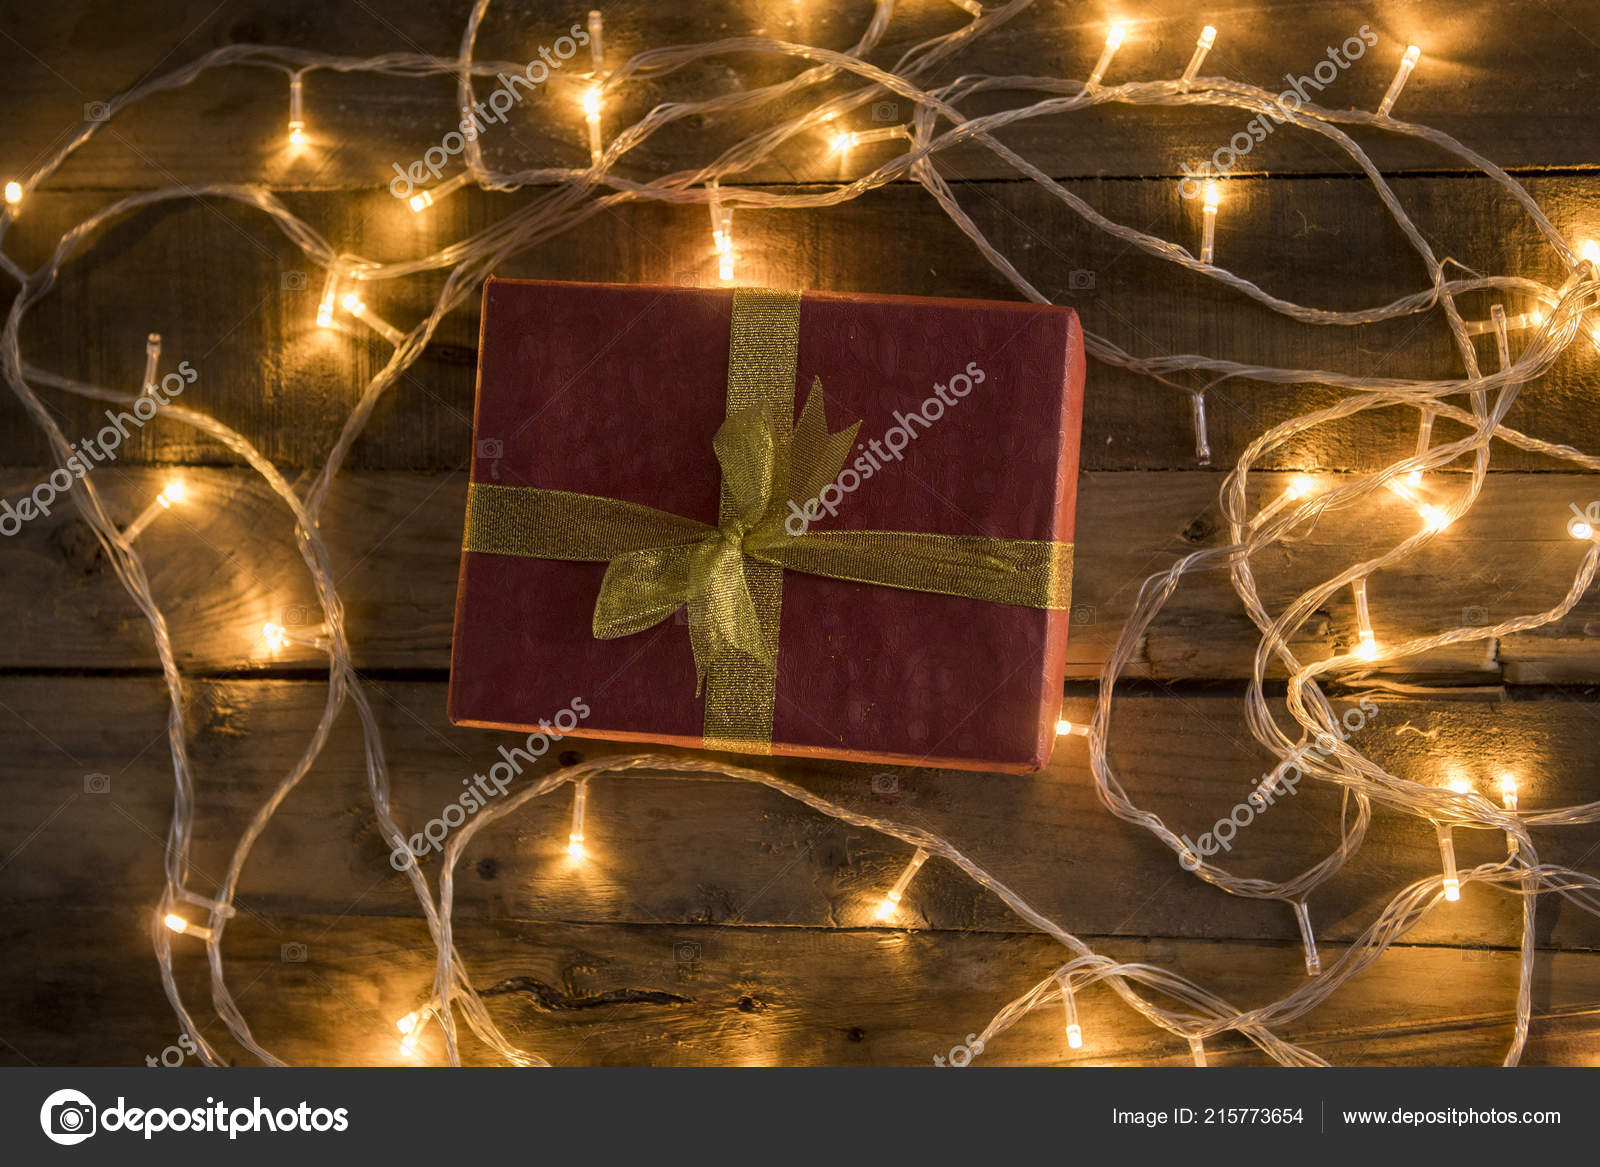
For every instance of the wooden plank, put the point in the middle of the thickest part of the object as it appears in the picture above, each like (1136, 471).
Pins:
(1509, 80)
(726, 852)
(243, 312)
(224, 564)
(630, 995)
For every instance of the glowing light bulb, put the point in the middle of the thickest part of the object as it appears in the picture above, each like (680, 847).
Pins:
(849, 140)
(1208, 37)
(1065, 727)
(1208, 235)
(1447, 854)
(1433, 518)
(1579, 528)
(13, 193)
(274, 635)
(1114, 37)
(1407, 63)
(422, 200)
(407, 1023)
(172, 492)
(353, 304)
(591, 115)
(891, 901)
(1367, 649)
(1508, 791)
(1300, 486)
(580, 797)
(330, 290)
(297, 121)
(176, 923)
(1589, 252)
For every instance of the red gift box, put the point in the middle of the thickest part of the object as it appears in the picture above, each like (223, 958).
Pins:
(616, 391)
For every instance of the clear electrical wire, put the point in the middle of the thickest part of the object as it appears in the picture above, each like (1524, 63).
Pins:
(809, 108)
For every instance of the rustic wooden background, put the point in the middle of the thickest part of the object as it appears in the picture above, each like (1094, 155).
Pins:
(720, 923)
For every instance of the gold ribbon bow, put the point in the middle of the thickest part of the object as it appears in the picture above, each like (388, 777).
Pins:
(731, 576)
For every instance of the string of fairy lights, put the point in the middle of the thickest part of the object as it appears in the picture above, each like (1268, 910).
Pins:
(1548, 320)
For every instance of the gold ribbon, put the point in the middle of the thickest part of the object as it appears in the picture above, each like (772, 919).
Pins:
(731, 576)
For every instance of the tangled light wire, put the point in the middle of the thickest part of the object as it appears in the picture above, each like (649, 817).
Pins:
(567, 196)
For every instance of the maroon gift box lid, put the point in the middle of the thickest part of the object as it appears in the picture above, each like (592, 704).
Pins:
(616, 390)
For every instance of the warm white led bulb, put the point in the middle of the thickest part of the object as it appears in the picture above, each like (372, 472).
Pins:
(1208, 37)
(891, 902)
(1407, 63)
(176, 923)
(1579, 528)
(1113, 42)
(13, 193)
(580, 798)
(1508, 791)
(591, 115)
(422, 200)
(1208, 236)
(297, 120)
(173, 492)
(1589, 252)
(1065, 727)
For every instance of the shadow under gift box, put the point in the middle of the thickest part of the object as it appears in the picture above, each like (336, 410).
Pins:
(617, 390)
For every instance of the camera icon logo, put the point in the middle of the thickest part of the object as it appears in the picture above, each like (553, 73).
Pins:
(293, 953)
(491, 448)
(885, 111)
(67, 1117)
(1081, 280)
(1474, 617)
(96, 111)
(686, 952)
(885, 783)
(97, 783)
(295, 616)
(294, 281)
(1083, 615)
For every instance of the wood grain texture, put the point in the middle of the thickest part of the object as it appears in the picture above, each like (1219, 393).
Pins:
(243, 312)
(1512, 75)
(223, 563)
(602, 994)
(720, 923)
(721, 851)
